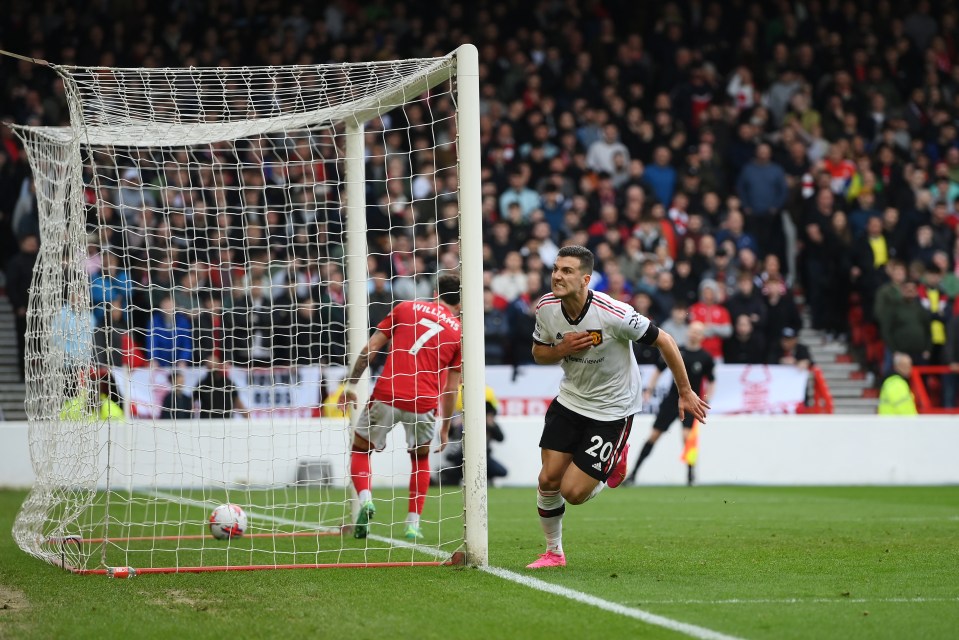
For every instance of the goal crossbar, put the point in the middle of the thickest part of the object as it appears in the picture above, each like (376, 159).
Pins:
(126, 126)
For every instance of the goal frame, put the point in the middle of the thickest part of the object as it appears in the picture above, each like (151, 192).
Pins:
(475, 540)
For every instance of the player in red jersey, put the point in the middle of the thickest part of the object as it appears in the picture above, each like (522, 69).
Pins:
(422, 372)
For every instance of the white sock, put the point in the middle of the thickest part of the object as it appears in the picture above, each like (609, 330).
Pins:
(595, 492)
(552, 502)
(412, 518)
(365, 496)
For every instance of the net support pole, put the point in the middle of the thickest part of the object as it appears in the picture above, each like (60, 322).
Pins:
(357, 299)
(471, 259)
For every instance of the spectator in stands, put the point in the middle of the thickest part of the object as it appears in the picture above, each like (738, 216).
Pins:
(332, 320)
(108, 340)
(380, 298)
(817, 276)
(73, 329)
(906, 325)
(496, 330)
(781, 310)
(169, 339)
(207, 329)
(864, 209)
(889, 294)
(717, 325)
(950, 382)
(661, 175)
(935, 300)
(895, 396)
(19, 277)
(663, 296)
(746, 345)
(26, 216)
(111, 287)
(99, 402)
(788, 350)
(176, 404)
(554, 206)
(519, 193)
(521, 316)
(733, 228)
(676, 324)
(306, 328)
(601, 154)
(746, 300)
(415, 284)
(762, 188)
(216, 395)
(511, 281)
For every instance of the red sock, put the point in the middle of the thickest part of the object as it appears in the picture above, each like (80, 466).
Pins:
(360, 470)
(419, 482)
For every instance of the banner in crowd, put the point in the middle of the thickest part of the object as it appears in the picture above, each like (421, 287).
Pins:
(522, 391)
(528, 390)
(276, 392)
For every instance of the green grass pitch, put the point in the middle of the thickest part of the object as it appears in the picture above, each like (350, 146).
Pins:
(748, 562)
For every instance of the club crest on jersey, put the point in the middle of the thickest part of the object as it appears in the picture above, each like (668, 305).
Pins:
(596, 335)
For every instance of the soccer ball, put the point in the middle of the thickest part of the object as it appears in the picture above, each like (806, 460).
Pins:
(228, 521)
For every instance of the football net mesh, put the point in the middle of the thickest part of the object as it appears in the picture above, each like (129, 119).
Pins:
(187, 329)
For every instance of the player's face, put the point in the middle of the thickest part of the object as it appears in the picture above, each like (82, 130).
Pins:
(568, 278)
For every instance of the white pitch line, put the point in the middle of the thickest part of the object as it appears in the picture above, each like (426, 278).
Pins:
(691, 630)
(694, 631)
(206, 504)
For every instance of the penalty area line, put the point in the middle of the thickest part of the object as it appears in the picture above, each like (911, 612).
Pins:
(690, 630)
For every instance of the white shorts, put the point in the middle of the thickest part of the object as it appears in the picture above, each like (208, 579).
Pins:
(378, 419)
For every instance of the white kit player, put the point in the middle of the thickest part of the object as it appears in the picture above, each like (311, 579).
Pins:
(586, 427)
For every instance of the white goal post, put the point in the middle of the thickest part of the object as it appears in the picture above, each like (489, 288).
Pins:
(217, 245)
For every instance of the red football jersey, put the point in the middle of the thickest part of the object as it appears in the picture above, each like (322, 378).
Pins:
(712, 314)
(425, 342)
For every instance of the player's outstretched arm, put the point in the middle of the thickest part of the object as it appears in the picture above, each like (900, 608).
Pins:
(448, 405)
(377, 341)
(571, 343)
(689, 400)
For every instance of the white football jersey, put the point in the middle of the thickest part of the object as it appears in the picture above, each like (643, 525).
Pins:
(602, 382)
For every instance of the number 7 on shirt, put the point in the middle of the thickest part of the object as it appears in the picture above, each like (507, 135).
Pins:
(432, 328)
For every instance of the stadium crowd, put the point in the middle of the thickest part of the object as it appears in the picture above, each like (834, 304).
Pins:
(721, 159)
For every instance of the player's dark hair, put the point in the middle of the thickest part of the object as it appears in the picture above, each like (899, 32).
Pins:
(586, 259)
(448, 288)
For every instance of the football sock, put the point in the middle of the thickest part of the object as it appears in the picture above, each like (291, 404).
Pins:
(551, 507)
(360, 472)
(412, 518)
(419, 482)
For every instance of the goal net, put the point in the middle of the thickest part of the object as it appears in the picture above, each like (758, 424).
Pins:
(217, 245)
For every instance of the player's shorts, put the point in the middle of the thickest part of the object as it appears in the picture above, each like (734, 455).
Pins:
(668, 413)
(595, 444)
(378, 419)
